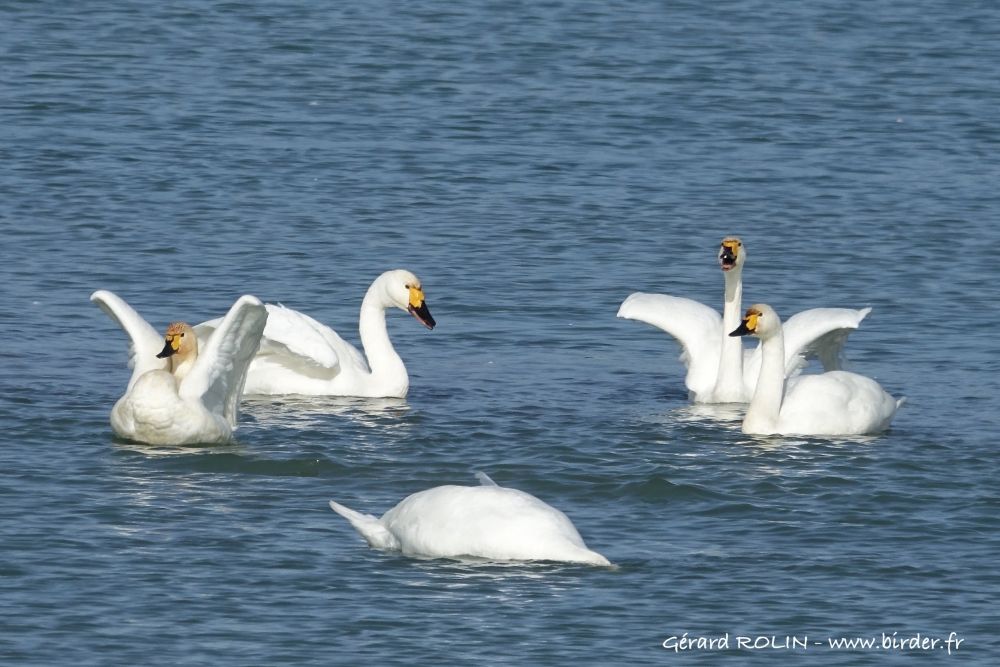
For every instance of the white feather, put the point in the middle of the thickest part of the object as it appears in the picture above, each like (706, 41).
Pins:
(488, 521)
(200, 407)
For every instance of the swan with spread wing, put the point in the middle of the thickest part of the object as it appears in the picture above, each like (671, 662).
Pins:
(180, 391)
(719, 370)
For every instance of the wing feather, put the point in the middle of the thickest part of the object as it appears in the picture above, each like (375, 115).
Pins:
(146, 342)
(820, 333)
(696, 327)
(220, 370)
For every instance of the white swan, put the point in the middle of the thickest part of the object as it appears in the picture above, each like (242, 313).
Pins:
(718, 368)
(486, 521)
(832, 403)
(184, 395)
(298, 355)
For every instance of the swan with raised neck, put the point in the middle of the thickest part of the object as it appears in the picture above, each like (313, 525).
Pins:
(719, 370)
(729, 384)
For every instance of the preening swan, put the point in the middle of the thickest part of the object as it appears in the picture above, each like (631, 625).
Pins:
(832, 403)
(486, 521)
(180, 394)
(298, 355)
(718, 368)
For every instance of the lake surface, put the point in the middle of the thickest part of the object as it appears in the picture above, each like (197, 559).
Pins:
(533, 163)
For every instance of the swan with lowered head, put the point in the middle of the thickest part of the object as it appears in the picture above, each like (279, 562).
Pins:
(183, 394)
(298, 355)
(486, 521)
(831, 403)
(719, 370)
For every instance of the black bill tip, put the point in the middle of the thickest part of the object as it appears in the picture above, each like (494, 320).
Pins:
(741, 330)
(423, 315)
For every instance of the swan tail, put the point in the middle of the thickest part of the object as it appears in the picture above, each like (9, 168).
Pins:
(484, 479)
(368, 526)
(900, 401)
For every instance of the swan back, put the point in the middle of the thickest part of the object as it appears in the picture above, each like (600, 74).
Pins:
(489, 521)
(836, 403)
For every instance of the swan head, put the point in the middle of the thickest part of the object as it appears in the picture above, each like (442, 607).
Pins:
(180, 340)
(731, 254)
(760, 320)
(406, 293)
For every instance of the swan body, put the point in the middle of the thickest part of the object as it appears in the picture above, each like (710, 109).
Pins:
(831, 403)
(299, 355)
(486, 521)
(719, 370)
(184, 395)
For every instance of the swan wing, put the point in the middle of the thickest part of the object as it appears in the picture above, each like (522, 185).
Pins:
(296, 341)
(293, 333)
(696, 327)
(146, 343)
(220, 370)
(819, 333)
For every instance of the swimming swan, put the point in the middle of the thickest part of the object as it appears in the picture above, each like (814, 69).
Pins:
(832, 403)
(486, 521)
(183, 395)
(298, 355)
(718, 368)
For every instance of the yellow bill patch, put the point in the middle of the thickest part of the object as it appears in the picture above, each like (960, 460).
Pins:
(751, 320)
(732, 244)
(416, 297)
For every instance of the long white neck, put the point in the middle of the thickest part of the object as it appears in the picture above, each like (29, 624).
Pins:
(729, 381)
(765, 406)
(386, 366)
(181, 366)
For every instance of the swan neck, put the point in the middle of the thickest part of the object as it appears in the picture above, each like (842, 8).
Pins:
(181, 366)
(731, 360)
(382, 358)
(765, 406)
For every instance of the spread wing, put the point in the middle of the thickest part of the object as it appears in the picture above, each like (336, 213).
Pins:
(296, 341)
(220, 370)
(146, 343)
(820, 333)
(309, 343)
(696, 327)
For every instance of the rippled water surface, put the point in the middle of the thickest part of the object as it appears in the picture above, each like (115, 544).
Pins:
(533, 163)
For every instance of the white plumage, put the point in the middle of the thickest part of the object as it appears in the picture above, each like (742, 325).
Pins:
(832, 403)
(299, 355)
(194, 397)
(719, 370)
(487, 521)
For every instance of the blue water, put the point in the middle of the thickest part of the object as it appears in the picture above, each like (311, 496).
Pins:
(533, 163)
